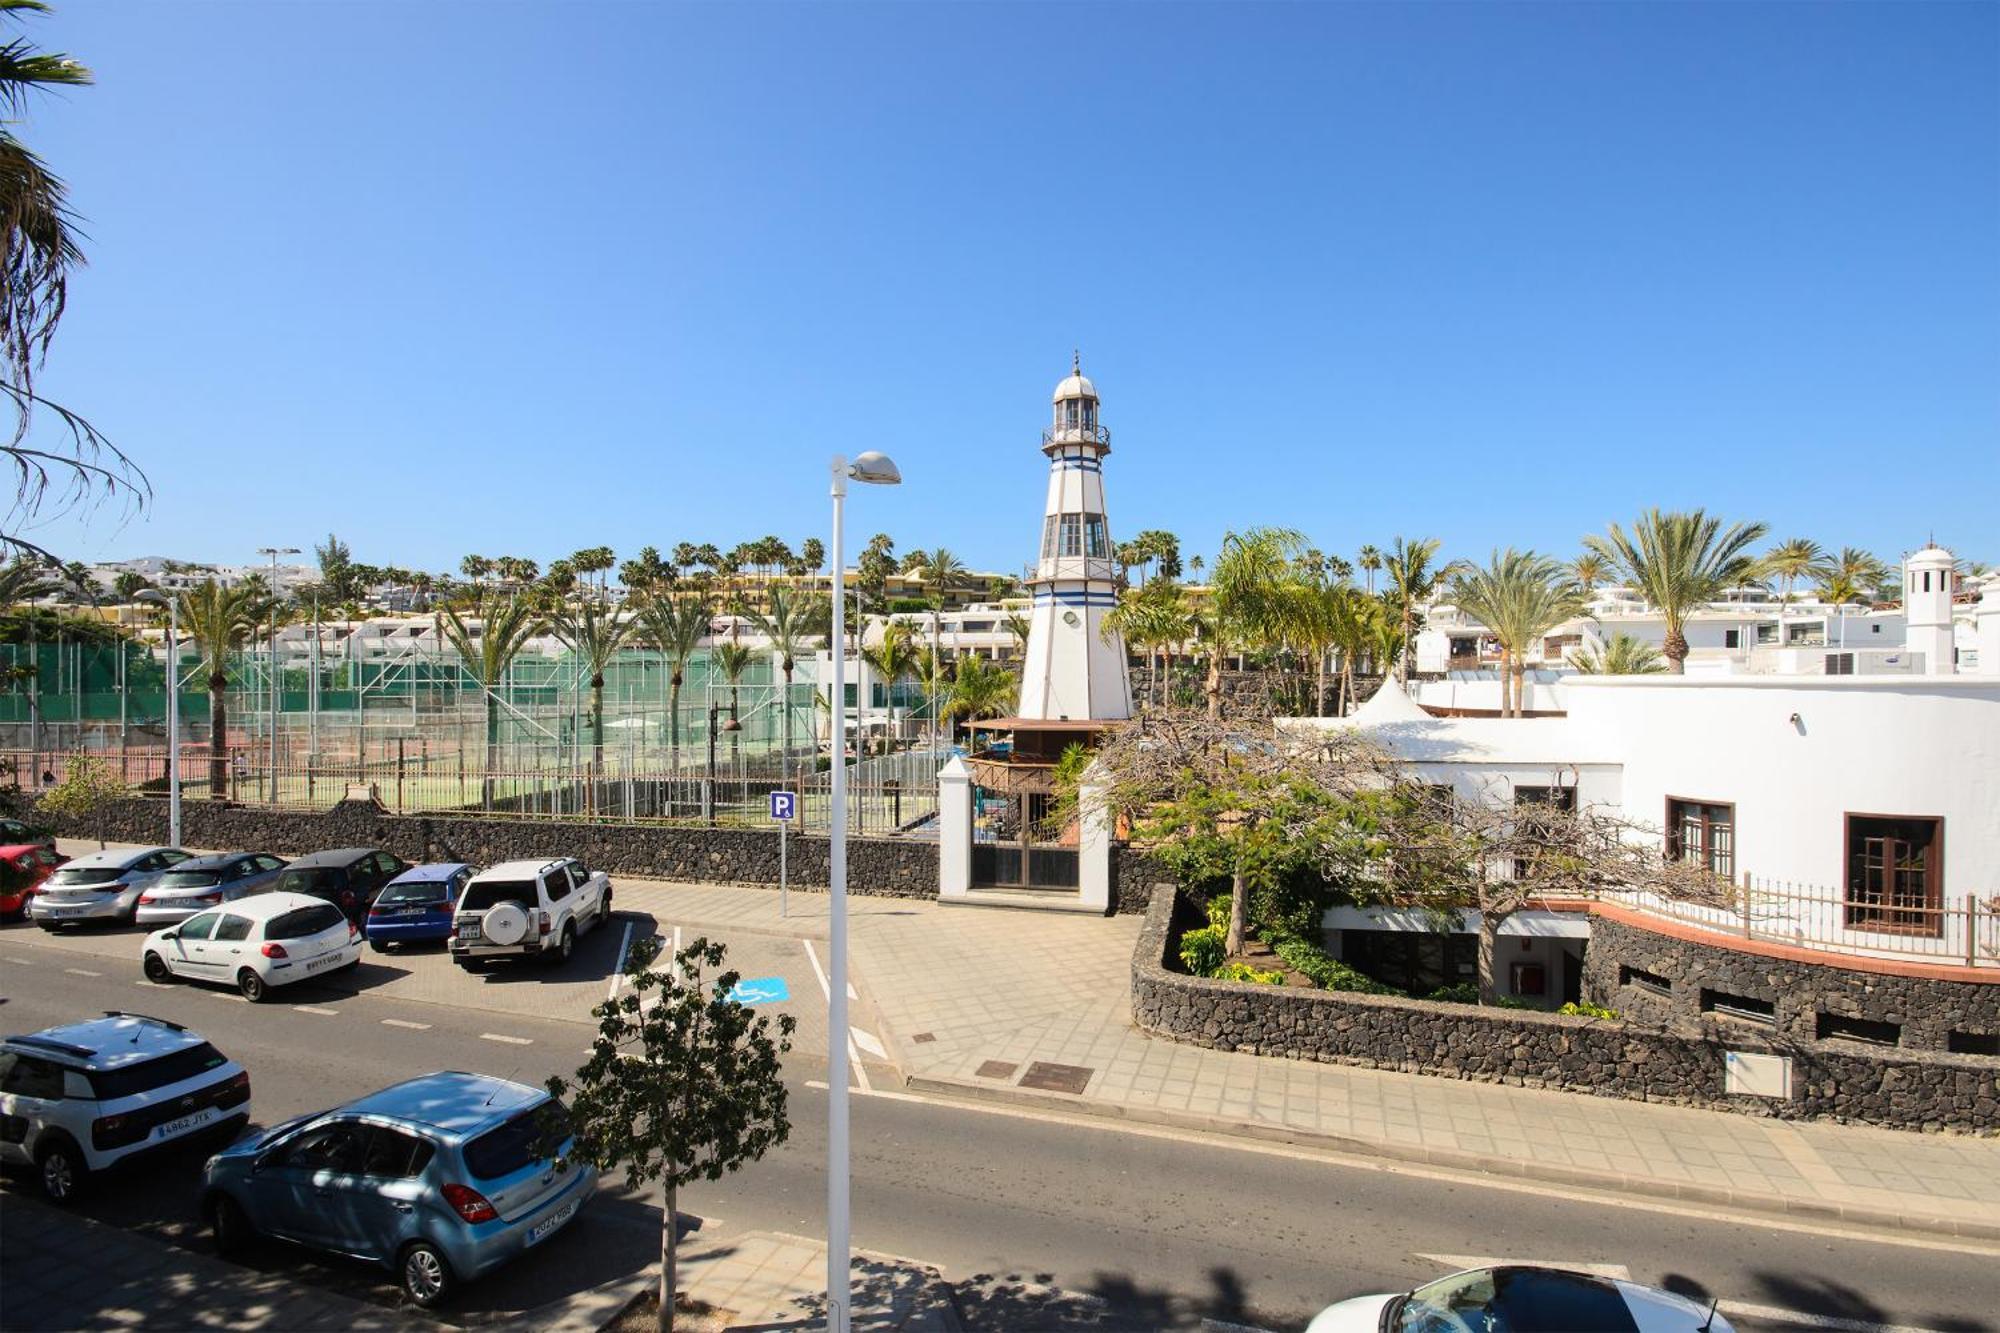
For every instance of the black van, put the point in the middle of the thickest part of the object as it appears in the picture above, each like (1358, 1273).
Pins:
(348, 877)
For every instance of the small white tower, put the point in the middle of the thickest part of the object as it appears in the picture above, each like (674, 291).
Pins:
(1927, 585)
(1070, 670)
(1988, 627)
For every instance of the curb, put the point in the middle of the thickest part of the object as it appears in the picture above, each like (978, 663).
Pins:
(1775, 1205)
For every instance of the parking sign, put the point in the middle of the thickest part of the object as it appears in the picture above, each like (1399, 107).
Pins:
(784, 805)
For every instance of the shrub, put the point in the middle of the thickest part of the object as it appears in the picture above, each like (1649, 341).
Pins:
(1202, 951)
(1465, 992)
(1326, 971)
(1585, 1009)
(1218, 911)
(1245, 972)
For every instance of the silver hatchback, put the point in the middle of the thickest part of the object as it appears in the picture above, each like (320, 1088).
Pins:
(102, 888)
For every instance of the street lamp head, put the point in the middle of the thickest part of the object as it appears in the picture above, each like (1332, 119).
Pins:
(877, 469)
(276, 551)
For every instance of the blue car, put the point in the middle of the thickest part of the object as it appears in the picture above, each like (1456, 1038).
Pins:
(416, 906)
(438, 1179)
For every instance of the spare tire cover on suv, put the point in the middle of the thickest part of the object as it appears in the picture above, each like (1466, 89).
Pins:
(505, 923)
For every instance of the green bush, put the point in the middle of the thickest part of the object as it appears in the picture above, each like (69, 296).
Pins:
(1465, 992)
(1202, 951)
(1245, 972)
(1585, 1009)
(1510, 1002)
(1218, 911)
(1326, 971)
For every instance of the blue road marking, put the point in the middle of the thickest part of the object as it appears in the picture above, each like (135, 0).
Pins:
(760, 990)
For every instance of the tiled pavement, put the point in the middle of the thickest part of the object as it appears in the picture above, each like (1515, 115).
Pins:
(956, 988)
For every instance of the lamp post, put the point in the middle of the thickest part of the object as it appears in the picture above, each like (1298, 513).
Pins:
(708, 787)
(274, 552)
(158, 598)
(877, 470)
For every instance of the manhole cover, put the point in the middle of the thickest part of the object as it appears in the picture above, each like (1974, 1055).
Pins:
(997, 1069)
(1046, 1077)
(924, 1036)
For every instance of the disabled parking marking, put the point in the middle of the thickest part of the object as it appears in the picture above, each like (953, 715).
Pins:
(760, 990)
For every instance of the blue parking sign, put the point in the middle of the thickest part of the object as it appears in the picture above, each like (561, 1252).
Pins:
(784, 805)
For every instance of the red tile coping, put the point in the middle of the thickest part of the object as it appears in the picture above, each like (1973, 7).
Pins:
(1889, 967)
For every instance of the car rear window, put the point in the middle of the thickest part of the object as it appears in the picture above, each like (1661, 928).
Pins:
(479, 897)
(413, 893)
(131, 1080)
(88, 875)
(317, 882)
(190, 879)
(510, 1147)
(304, 921)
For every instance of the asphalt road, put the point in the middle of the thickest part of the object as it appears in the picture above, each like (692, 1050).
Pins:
(1165, 1226)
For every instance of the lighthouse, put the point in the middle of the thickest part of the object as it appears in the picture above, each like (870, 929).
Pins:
(1072, 671)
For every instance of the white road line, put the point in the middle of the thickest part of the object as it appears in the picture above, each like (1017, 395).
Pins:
(826, 992)
(20, 962)
(1459, 1262)
(511, 1041)
(82, 972)
(618, 972)
(677, 941)
(1832, 1323)
(868, 1042)
(316, 1009)
(405, 1023)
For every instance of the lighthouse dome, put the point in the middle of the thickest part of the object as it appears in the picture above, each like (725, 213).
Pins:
(1075, 386)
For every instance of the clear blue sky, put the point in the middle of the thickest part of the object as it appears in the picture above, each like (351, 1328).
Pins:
(518, 278)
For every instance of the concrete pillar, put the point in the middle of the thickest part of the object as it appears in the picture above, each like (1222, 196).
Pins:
(1093, 841)
(1988, 624)
(954, 829)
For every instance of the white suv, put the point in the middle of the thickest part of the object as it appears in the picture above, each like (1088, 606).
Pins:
(85, 1096)
(527, 909)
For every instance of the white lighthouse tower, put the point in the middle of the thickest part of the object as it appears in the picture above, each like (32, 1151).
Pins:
(1927, 588)
(1071, 671)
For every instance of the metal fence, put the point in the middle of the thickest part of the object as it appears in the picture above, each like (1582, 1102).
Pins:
(1829, 920)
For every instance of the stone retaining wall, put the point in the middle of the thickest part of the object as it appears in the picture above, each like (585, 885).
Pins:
(1900, 1090)
(879, 867)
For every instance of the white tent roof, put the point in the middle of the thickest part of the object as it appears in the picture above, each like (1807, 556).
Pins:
(1388, 704)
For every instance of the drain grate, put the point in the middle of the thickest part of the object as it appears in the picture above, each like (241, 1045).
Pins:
(1045, 1077)
(997, 1069)
(924, 1037)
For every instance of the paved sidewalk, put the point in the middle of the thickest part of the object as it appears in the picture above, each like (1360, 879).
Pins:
(67, 1272)
(974, 1000)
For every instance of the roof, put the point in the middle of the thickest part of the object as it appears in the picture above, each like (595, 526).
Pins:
(430, 872)
(1932, 555)
(211, 860)
(515, 869)
(1042, 724)
(264, 906)
(113, 1040)
(450, 1101)
(336, 856)
(1075, 386)
(1388, 704)
(114, 859)
(15, 848)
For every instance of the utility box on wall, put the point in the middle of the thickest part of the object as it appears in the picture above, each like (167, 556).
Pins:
(1753, 1074)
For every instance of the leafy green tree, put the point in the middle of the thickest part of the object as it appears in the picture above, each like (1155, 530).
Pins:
(1414, 577)
(1622, 656)
(893, 657)
(1519, 596)
(683, 1084)
(1792, 561)
(488, 636)
(88, 787)
(216, 620)
(981, 689)
(341, 580)
(732, 659)
(1251, 597)
(1679, 562)
(1849, 576)
(128, 584)
(792, 624)
(676, 627)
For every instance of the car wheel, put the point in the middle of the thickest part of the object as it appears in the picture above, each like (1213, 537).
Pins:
(378, 946)
(253, 986)
(424, 1275)
(564, 946)
(60, 1171)
(157, 970)
(228, 1224)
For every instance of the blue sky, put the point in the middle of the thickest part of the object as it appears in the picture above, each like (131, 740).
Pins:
(518, 278)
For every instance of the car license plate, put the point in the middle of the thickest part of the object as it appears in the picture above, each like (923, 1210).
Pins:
(407, 911)
(322, 962)
(71, 911)
(551, 1222)
(184, 1124)
(469, 931)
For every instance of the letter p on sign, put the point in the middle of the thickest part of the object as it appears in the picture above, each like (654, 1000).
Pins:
(784, 806)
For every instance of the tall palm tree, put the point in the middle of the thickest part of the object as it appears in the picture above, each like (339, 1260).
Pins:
(791, 624)
(1134, 620)
(893, 657)
(1519, 596)
(1859, 568)
(1370, 560)
(732, 659)
(1353, 617)
(1316, 623)
(1413, 578)
(1251, 596)
(981, 689)
(1791, 561)
(592, 629)
(1589, 570)
(1622, 656)
(941, 569)
(1679, 561)
(676, 627)
(1017, 625)
(216, 620)
(487, 637)
(23, 579)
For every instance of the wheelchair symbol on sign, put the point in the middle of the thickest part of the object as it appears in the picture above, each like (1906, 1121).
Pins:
(784, 805)
(762, 990)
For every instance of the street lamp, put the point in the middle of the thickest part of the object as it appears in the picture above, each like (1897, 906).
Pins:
(876, 470)
(274, 552)
(708, 787)
(155, 597)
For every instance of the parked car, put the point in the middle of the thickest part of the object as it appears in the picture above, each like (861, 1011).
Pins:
(84, 1097)
(207, 881)
(1522, 1299)
(437, 1179)
(528, 909)
(19, 831)
(265, 940)
(348, 877)
(417, 905)
(102, 888)
(23, 867)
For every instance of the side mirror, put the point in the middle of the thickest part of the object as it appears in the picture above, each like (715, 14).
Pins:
(170, 935)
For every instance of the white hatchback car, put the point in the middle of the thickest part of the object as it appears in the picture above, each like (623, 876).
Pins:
(528, 909)
(255, 943)
(1522, 1298)
(102, 888)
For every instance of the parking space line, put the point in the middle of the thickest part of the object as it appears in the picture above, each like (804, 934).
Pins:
(21, 962)
(618, 972)
(826, 990)
(511, 1041)
(82, 972)
(405, 1023)
(316, 1009)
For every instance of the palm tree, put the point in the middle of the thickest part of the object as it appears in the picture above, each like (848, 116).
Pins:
(1412, 579)
(1858, 568)
(1679, 562)
(1520, 596)
(941, 569)
(216, 620)
(1018, 626)
(1370, 560)
(1589, 570)
(676, 627)
(1353, 619)
(1623, 656)
(487, 641)
(1791, 561)
(791, 625)
(23, 579)
(981, 689)
(1251, 597)
(1317, 623)
(594, 631)
(733, 659)
(893, 657)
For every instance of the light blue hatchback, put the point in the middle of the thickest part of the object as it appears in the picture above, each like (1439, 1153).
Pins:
(436, 1178)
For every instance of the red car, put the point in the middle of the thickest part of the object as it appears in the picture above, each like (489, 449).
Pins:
(23, 867)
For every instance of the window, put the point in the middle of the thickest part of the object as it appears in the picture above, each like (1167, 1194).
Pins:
(199, 927)
(1806, 632)
(1529, 979)
(1556, 646)
(1875, 629)
(233, 928)
(1732, 638)
(394, 1155)
(1895, 873)
(505, 1150)
(304, 922)
(1072, 535)
(1703, 832)
(556, 884)
(1049, 538)
(131, 1080)
(1744, 1008)
(1415, 961)
(1096, 544)
(31, 1077)
(479, 897)
(1858, 1029)
(1767, 632)
(1640, 979)
(1538, 832)
(335, 1147)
